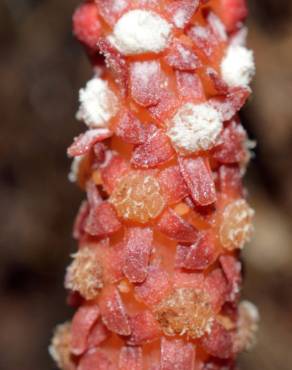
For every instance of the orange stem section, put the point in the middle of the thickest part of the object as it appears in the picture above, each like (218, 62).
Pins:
(157, 275)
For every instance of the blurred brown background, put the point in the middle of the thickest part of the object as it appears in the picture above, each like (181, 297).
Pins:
(41, 69)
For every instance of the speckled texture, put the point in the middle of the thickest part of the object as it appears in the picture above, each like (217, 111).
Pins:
(173, 261)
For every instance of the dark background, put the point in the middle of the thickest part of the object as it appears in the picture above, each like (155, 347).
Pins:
(41, 69)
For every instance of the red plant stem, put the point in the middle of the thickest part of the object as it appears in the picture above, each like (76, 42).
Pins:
(156, 279)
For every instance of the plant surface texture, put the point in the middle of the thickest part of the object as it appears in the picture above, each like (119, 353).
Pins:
(157, 275)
